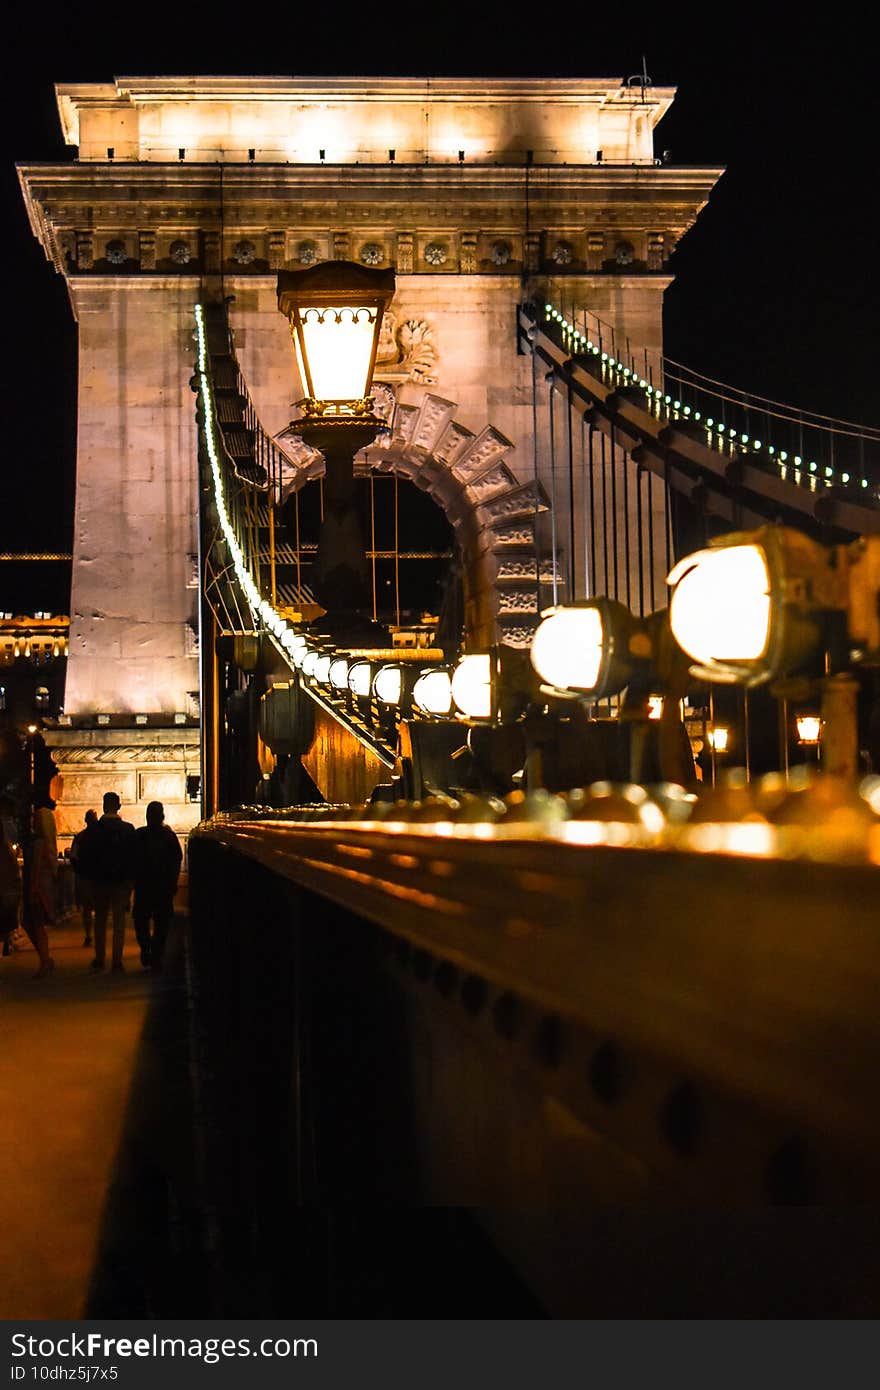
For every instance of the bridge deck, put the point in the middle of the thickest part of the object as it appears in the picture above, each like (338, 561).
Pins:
(96, 1167)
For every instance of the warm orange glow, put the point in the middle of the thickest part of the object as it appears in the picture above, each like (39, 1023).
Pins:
(809, 728)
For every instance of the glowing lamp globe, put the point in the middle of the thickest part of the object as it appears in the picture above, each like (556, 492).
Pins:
(338, 673)
(432, 693)
(360, 679)
(388, 684)
(720, 606)
(585, 648)
(472, 689)
(755, 605)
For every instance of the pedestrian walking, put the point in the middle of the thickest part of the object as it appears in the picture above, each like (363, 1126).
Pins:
(10, 888)
(158, 858)
(41, 873)
(106, 857)
(83, 888)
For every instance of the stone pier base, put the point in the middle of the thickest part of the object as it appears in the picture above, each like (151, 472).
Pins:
(139, 764)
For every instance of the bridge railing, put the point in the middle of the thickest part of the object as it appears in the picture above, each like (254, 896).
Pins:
(804, 447)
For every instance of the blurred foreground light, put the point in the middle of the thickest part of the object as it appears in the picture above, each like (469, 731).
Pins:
(757, 605)
(720, 606)
(719, 738)
(360, 679)
(655, 706)
(566, 649)
(590, 648)
(432, 693)
(388, 684)
(472, 686)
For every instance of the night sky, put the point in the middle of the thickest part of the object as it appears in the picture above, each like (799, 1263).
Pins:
(776, 287)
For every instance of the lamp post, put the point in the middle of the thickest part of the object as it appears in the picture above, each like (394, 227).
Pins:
(772, 604)
(335, 313)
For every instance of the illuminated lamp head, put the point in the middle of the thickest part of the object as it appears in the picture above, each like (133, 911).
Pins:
(809, 729)
(755, 605)
(338, 673)
(432, 693)
(474, 686)
(360, 679)
(310, 657)
(388, 684)
(321, 668)
(589, 648)
(335, 311)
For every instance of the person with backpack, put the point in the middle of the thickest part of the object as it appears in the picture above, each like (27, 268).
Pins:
(157, 868)
(106, 856)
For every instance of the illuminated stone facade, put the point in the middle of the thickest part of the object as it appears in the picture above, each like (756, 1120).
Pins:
(477, 192)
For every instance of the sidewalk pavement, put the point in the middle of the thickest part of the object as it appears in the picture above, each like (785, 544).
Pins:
(68, 1045)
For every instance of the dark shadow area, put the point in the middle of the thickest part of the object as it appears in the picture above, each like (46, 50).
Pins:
(310, 1174)
(151, 1259)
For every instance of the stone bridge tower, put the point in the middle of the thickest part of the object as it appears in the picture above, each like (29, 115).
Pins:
(478, 193)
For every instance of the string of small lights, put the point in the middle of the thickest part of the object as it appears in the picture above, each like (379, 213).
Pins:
(719, 435)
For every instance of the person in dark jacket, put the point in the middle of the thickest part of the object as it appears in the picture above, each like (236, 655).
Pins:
(83, 893)
(107, 857)
(157, 868)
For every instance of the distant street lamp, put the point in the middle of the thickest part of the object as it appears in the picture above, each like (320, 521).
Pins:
(335, 312)
(809, 728)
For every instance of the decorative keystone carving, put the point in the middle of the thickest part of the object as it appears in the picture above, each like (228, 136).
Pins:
(522, 568)
(371, 253)
(244, 252)
(307, 253)
(482, 455)
(500, 252)
(115, 253)
(277, 248)
(595, 250)
(341, 246)
(434, 416)
(404, 253)
(180, 252)
(624, 253)
(517, 601)
(85, 251)
(521, 534)
(147, 250)
(468, 259)
(517, 635)
(562, 253)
